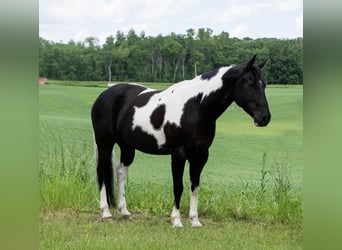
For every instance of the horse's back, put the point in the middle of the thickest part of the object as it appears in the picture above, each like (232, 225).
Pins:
(108, 107)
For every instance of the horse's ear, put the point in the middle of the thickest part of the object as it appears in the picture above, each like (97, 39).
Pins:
(261, 65)
(248, 65)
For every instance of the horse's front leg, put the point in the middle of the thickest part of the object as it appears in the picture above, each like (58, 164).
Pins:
(177, 164)
(197, 162)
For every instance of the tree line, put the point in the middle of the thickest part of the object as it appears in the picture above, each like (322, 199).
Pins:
(170, 58)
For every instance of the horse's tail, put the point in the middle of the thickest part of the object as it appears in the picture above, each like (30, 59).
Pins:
(109, 181)
(103, 119)
(104, 168)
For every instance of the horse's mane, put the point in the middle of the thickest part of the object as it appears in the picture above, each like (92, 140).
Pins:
(208, 75)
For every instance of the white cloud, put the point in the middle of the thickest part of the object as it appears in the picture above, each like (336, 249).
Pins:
(240, 31)
(81, 18)
(82, 11)
(238, 11)
(289, 5)
(299, 22)
(77, 19)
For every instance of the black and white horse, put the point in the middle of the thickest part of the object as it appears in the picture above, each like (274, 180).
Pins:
(179, 121)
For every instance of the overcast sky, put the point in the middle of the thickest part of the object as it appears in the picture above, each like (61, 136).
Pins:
(63, 20)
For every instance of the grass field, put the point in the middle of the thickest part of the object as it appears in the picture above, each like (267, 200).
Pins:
(251, 187)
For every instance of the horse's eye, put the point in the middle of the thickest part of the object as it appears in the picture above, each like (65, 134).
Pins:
(262, 84)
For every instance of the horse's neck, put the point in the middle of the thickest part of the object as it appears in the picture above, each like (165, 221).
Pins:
(211, 96)
(215, 104)
(215, 96)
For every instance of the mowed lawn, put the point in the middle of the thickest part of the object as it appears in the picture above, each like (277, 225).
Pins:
(69, 215)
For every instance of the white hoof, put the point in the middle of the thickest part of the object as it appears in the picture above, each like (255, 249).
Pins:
(106, 214)
(195, 223)
(176, 223)
(124, 212)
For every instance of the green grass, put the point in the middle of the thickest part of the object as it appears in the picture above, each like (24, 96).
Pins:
(69, 230)
(251, 187)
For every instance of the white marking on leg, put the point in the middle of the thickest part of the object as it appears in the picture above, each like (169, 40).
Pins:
(122, 171)
(103, 203)
(176, 219)
(193, 214)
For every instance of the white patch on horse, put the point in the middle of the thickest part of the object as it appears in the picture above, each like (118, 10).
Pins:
(176, 219)
(193, 214)
(174, 99)
(146, 90)
(103, 203)
(122, 171)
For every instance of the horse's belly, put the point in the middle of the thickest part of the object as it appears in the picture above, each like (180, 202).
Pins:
(145, 128)
(152, 143)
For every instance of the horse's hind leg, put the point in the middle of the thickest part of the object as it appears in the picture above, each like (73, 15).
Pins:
(178, 159)
(197, 162)
(103, 155)
(127, 156)
(122, 172)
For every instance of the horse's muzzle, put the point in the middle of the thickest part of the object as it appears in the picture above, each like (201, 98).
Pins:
(262, 121)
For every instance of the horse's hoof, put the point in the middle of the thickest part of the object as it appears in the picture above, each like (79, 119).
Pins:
(106, 215)
(196, 223)
(124, 212)
(177, 224)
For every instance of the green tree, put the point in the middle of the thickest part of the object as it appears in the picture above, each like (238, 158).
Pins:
(169, 58)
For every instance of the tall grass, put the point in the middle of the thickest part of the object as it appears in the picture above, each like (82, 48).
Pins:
(67, 180)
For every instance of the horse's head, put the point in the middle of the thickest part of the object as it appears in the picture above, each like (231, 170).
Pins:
(249, 90)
